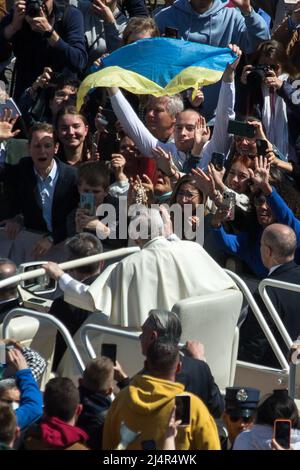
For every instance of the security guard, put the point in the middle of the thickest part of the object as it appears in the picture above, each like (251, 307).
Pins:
(240, 405)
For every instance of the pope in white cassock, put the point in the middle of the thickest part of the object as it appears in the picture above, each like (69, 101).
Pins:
(158, 276)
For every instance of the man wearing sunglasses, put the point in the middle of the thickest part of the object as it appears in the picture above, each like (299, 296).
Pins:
(240, 406)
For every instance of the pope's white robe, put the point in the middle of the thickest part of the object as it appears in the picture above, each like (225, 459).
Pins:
(158, 276)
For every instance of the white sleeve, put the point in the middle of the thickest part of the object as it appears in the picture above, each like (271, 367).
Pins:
(119, 188)
(76, 293)
(220, 141)
(132, 125)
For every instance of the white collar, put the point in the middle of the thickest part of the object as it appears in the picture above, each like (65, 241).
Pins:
(273, 268)
(51, 175)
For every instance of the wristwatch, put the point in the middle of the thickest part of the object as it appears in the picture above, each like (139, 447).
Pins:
(48, 34)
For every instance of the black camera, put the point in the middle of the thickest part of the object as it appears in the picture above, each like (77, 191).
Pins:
(33, 7)
(257, 75)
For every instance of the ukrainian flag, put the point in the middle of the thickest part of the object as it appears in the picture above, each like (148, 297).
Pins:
(159, 66)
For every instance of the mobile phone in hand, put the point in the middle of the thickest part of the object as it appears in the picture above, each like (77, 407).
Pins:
(218, 159)
(262, 147)
(183, 409)
(87, 201)
(109, 350)
(282, 432)
(242, 129)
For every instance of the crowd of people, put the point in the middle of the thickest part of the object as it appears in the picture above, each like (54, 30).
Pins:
(199, 181)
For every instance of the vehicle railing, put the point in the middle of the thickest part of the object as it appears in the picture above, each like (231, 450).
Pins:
(261, 320)
(69, 265)
(86, 329)
(17, 312)
(277, 320)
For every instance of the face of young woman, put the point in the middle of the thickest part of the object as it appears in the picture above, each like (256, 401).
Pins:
(238, 178)
(71, 130)
(188, 194)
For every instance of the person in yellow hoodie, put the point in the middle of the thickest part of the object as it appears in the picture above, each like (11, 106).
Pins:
(146, 404)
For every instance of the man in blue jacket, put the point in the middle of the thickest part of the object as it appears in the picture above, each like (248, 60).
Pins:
(211, 22)
(52, 37)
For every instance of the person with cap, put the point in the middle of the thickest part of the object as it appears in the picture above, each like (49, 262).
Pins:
(273, 406)
(240, 405)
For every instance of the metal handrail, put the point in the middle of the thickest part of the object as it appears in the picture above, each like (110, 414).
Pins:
(261, 320)
(69, 265)
(85, 329)
(268, 303)
(277, 320)
(16, 312)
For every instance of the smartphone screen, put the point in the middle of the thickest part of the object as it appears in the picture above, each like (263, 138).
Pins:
(218, 159)
(171, 32)
(182, 412)
(87, 201)
(109, 350)
(282, 432)
(240, 128)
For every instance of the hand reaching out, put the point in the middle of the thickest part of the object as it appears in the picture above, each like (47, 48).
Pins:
(202, 135)
(205, 182)
(260, 176)
(6, 125)
(164, 161)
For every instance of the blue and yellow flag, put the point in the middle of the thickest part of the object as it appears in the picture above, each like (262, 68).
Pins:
(159, 66)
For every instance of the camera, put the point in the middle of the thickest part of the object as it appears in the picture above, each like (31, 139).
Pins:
(258, 74)
(33, 7)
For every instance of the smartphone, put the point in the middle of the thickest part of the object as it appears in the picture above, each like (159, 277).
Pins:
(171, 32)
(10, 104)
(218, 159)
(229, 202)
(109, 350)
(87, 201)
(2, 354)
(262, 147)
(183, 409)
(282, 432)
(240, 128)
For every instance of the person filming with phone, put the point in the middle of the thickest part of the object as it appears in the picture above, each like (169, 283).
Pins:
(267, 87)
(43, 34)
(276, 417)
(145, 406)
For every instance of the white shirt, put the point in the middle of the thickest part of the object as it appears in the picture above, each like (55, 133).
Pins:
(46, 187)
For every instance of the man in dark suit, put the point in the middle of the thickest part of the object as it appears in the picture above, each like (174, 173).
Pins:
(42, 192)
(79, 246)
(278, 245)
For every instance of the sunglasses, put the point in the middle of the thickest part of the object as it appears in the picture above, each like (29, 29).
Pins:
(245, 419)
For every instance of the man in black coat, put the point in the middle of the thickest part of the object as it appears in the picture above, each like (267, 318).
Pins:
(278, 245)
(52, 36)
(195, 374)
(79, 246)
(42, 191)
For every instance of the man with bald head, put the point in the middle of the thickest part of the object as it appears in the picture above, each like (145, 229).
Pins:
(9, 297)
(278, 245)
